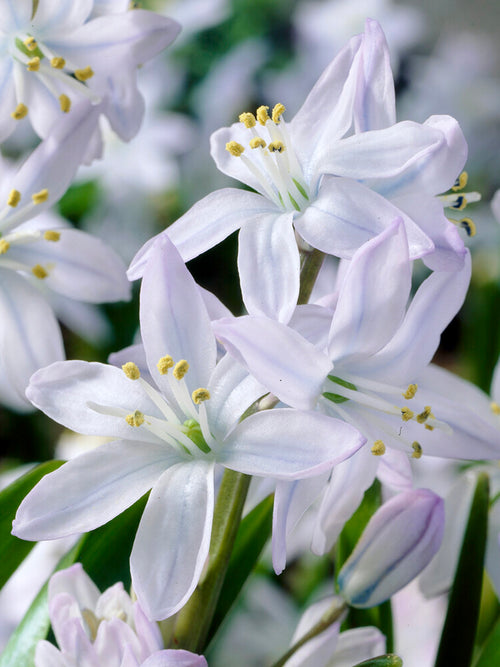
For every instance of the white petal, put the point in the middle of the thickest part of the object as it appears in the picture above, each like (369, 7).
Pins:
(173, 538)
(61, 16)
(90, 490)
(357, 645)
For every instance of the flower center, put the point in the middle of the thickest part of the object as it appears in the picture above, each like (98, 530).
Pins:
(272, 160)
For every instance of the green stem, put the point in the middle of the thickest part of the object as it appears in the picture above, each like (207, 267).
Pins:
(311, 264)
(195, 618)
(329, 617)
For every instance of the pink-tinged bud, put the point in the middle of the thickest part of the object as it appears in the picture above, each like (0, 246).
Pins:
(399, 541)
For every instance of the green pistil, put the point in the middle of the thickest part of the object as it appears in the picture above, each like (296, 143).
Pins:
(193, 431)
(337, 398)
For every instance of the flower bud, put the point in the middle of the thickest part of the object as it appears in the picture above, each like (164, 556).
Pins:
(399, 541)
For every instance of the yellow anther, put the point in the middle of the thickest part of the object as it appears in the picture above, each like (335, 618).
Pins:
(248, 119)
(33, 65)
(276, 147)
(378, 448)
(30, 43)
(495, 408)
(64, 103)
(39, 272)
(41, 196)
(135, 419)
(469, 226)
(429, 427)
(14, 198)
(164, 364)
(57, 62)
(235, 148)
(200, 395)
(180, 369)
(417, 450)
(51, 235)
(262, 115)
(84, 74)
(131, 370)
(4, 246)
(406, 414)
(410, 392)
(257, 142)
(278, 111)
(425, 414)
(461, 182)
(20, 111)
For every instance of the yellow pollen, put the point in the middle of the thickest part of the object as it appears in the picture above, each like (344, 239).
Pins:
(4, 246)
(33, 64)
(39, 272)
(57, 62)
(262, 115)
(410, 392)
(164, 364)
(429, 427)
(64, 103)
(278, 111)
(51, 235)
(276, 147)
(30, 43)
(407, 414)
(417, 450)
(135, 419)
(131, 370)
(425, 414)
(180, 369)
(461, 182)
(468, 225)
(84, 74)
(257, 142)
(14, 198)
(41, 196)
(235, 148)
(248, 119)
(378, 448)
(495, 408)
(200, 395)
(20, 111)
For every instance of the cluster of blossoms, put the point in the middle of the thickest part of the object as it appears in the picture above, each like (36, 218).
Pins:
(322, 387)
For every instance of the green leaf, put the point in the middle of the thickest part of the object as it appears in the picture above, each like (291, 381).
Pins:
(20, 649)
(490, 654)
(253, 533)
(13, 550)
(457, 639)
(388, 660)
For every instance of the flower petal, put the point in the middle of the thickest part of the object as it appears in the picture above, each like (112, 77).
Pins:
(173, 538)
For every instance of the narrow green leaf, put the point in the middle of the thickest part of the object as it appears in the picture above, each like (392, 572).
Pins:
(253, 533)
(457, 639)
(13, 550)
(20, 649)
(490, 654)
(388, 660)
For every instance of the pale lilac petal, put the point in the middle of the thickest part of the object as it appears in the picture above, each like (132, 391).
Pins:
(173, 538)
(394, 470)
(313, 323)
(91, 489)
(495, 383)
(269, 267)
(175, 658)
(116, 641)
(357, 645)
(436, 302)
(288, 444)
(174, 320)
(287, 364)
(375, 106)
(77, 584)
(61, 15)
(232, 391)
(342, 496)
(69, 392)
(29, 333)
(399, 541)
(215, 308)
(147, 631)
(346, 214)
(15, 15)
(79, 266)
(373, 297)
(46, 655)
(206, 224)
(8, 100)
(317, 652)
(124, 106)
